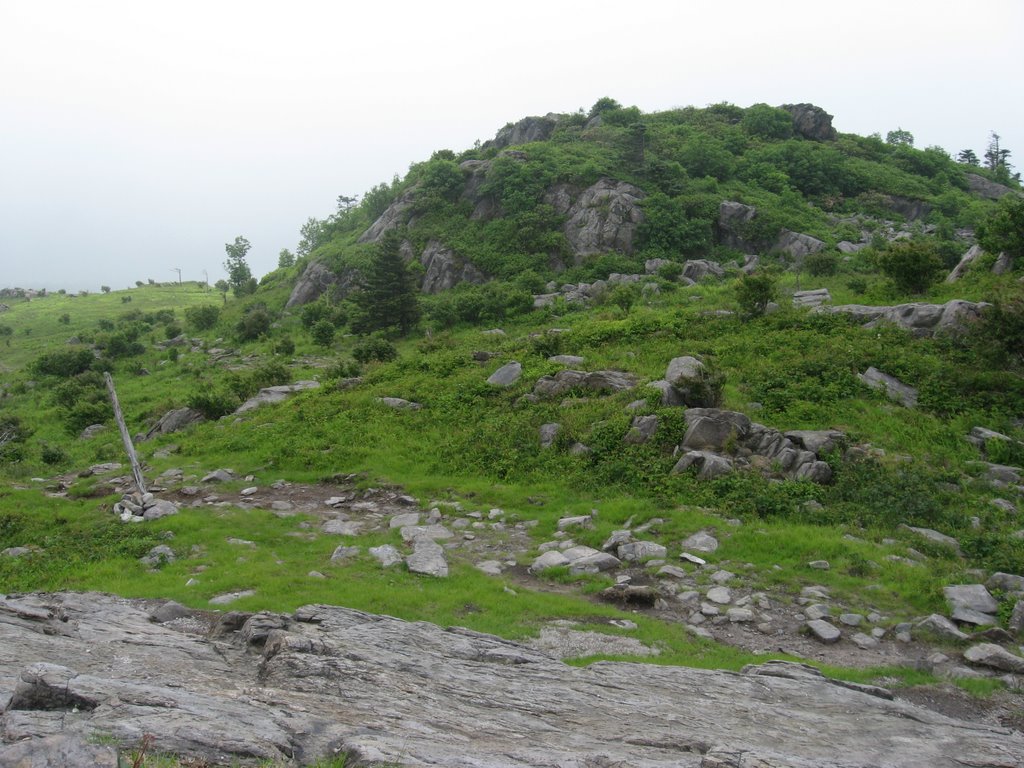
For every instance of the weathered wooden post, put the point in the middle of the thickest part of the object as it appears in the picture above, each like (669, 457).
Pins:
(140, 481)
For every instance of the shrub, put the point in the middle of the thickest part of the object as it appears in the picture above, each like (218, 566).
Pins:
(254, 323)
(912, 265)
(285, 346)
(172, 330)
(52, 454)
(64, 319)
(202, 318)
(64, 363)
(858, 285)
(821, 264)
(323, 332)
(314, 313)
(754, 293)
(213, 402)
(374, 348)
(12, 438)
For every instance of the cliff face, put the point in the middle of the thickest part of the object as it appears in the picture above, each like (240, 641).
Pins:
(239, 688)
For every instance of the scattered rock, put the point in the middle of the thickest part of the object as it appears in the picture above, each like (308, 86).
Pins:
(934, 537)
(971, 604)
(386, 555)
(157, 556)
(548, 433)
(638, 551)
(399, 403)
(942, 627)
(174, 421)
(642, 429)
(344, 552)
(595, 381)
(812, 298)
(823, 632)
(427, 558)
(702, 541)
(219, 476)
(920, 319)
(506, 376)
(271, 395)
(230, 597)
(551, 559)
(894, 389)
(995, 657)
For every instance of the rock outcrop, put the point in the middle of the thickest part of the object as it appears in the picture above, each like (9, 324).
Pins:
(732, 219)
(324, 681)
(982, 187)
(271, 395)
(964, 264)
(920, 319)
(394, 216)
(443, 269)
(526, 130)
(317, 279)
(604, 218)
(811, 122)
(174, 421)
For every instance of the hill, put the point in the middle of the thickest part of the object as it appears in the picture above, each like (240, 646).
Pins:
(699, 387)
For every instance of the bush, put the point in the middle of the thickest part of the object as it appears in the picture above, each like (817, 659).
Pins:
(323, 332)
(285, 346)
(52, 454)
(374, 348)
(202, 318)
(213, 402)
(821, 264)
(64, 319)
(12, 438)
(254, 323)
(64, 363)
(754, 293)
(912, 265)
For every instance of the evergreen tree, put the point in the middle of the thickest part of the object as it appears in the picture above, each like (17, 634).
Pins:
(968, 157)
(388, 298)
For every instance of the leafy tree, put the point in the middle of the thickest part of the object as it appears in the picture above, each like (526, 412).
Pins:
(1003, 229)
(105, 288)
(623, 296)
(968, 157)
(912, 265)
(374, 348)
(821, 264)
(377, 200)
(755, 292)
(202, 318)
(312, 235)
(239, 274)
(222, 286)
(285, 258)
(388, 297)
(604, 104)
(1001, 330)
(900, 137)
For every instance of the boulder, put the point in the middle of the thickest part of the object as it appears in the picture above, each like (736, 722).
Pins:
(702, 541)
(920, 319)
(637, 551)
(982, 187)
(174, 421)
(995, 657)
(548, 433)
(60, 750)
(797, 245)
(669, 394)
(939, 539)
(971, 604)
(1004, 264)
(1006, 582)
(714, 429)
(823, 631)
(443, 269)
(399, 404)
(427, 558)
(642, 429)
(507, 375)
(904, 394)
(394, 216)
(942, 627)
(386, 555)
(92, 430)
(812, 298)
(732, 220)
(271, 395)
(550, 559)
(964, 264)
(567, 359)
(317, 279)
(595, 381)
(685, 371)
(708, 465)
(817, 441)
(811, 122)
(698, 269)
(604, 218)
(595, 563)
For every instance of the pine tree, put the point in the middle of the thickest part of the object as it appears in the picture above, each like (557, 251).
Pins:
(388, 297)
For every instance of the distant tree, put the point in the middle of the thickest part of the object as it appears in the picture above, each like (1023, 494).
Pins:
(312, 235)
(997, 160)
(235, 265)
(900, 137)
(968, 157)
(203, 317)
(222, 286)
(346, 203)
(388, 297)
(285, 258)
(105, 288)
(912, 265)
(604, 104)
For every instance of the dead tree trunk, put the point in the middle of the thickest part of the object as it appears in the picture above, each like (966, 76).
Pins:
(140, 481)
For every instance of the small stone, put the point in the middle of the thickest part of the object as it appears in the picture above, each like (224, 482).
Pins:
(739, 615)
(851, 619)
(386, 555)
(407, 518)
(819, 565)
(817, 611)
(578, 521)
(864, 642)
(637, 551)
(723, 576)
(550, 559)
(692, 559)
(316, 575)
(281, 506)
(250, 491)
(344, 552)
(823, 632)
(672, 572)
(702, 541)
(230, 597)
(720, 595)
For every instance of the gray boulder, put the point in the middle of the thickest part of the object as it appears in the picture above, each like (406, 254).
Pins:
(733, 219)
(443, 269)
(604, 218)
(812, 298)
(964, 264)
(942, 627)
(702, 541)
(823, 631)
(174, 421)
(386, 555)
(971, 604)
(567, 359)
(594, 381)
(1006, 582)
(527, 130)
(637, 551)
(272, 395)
(507, 375)
(427, 558)
(399, 403)
(394, 216)
(1004, 264)
(797, 245)
(934, 537)
(157, 556)
(642, 429)
(59, 750)
(995, 657)
(920, 319)
(548, 433)
(708, 465)
(817, 441)
(811, 122)
(904, 394)
(714, 429)
(982, 187)
(698, 269)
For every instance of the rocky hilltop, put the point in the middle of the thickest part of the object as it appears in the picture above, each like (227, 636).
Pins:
(80, 671)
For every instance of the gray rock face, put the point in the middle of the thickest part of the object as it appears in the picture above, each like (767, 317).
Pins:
(920, 319)
(642, 429)
(443, 269)
(797, 245)
(732, 220)
(595, 381)
(316, 279)
(604, 218)
(712, 429)
(1004, 264)
(708, 465)
(527, 130)
(964, 264)
(61, 750)
(811, 122)
(507, 375)
(995, 657)
(1006, 582)
(174, 421)
(332, 680)
(427, 558)
(982, 187)
(904, 394)
(811, 298)
(393, 217)
(271, 395)
(698, 269)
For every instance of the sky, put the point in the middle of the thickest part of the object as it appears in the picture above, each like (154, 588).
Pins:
(137, 138)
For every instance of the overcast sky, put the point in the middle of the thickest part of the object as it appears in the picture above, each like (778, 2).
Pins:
(136, 137)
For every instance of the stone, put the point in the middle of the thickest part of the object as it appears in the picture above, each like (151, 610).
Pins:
(642, 429)
(982, 187)
(507, 375)
(59, 750)
(995, 657)
(318, 683)
(159, 555)
(567, 360)
(964, 264)
(934, 537)
(864, 642)
(1016, 621)
(272, 395)
(550, 559)
(672, 572)
(1006, 582)
(595, 381)
(433, 531)
(427, 558)
(615, 539)
(740, 615)
(819, 565)
(316, 279)
(797, 245)
(230, 597)
(696, 270)
(339, 527)
(920, 319)
(817, 611)
(386, 555)
(669, 395)
(1004, 264)
(942, 627)
(811, 298)
(823, 632)
(595, 563)
(732, 220)
(399, 404)
(174, 421)
(405, 519)
(722, 577)
(851, 619)
(971, 604)
(713, 429)
(344, 552)
(720, 595)
(526, 131)
(575, 521)
(443, 269)
(604, 218)
(219, 476)
(894, 389)
(638, 551)
(702, 541)
(547, 434)
(91, 431)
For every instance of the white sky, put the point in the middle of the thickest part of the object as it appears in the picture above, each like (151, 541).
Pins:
(140, 136)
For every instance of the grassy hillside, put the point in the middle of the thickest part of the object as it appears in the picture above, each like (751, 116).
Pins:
(478, 445)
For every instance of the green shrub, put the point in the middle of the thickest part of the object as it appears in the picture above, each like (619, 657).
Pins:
(374, 348)
(254, 323)
(285, 346)
(52, 455)
(213, 402)
(755, 292)
(202, 318)
(63, 363)
(912, 265)
(323, 332)
(821, 264)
